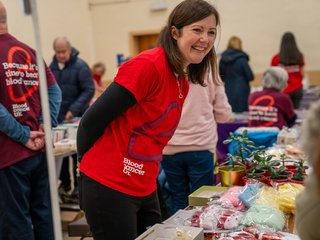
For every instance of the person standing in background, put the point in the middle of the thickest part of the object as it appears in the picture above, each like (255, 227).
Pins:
(291, 59)
(270, 107)
(122, 135)
(25, 205)
(188, 159)
(236, 73)
(98, 70)
(75, 80)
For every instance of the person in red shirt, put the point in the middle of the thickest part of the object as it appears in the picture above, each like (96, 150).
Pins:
(271, 107)
(291, 59)
(122, 135)
(98, 70)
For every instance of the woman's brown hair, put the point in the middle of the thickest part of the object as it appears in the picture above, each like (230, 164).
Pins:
(186, 13)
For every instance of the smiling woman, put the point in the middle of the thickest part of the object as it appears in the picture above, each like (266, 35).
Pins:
(122, 135)
(196, 40)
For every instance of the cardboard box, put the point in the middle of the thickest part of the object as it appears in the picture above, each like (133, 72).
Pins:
(68, 217)
(79, 228)
(180, 217)
(169, 232)
(204, 194)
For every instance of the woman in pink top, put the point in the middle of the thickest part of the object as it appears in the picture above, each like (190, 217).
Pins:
(188, 158)
(291, 59)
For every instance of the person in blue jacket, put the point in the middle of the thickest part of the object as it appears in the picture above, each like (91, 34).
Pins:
(75, 80)
(236, 73)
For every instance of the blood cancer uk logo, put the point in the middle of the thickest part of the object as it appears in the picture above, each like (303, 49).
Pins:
(132, 167)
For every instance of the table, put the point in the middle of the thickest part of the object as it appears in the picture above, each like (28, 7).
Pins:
(59, 155)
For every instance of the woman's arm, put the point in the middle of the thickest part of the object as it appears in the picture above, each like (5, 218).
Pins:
(114, 101)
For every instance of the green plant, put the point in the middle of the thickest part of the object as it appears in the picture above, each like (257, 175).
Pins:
(264, 161)
(255, 177)
(243, 146)
(277, 173)
(232, 161)
(253, 170)
(254, 173)
(280, 172)
(300, 170)
(283, 160)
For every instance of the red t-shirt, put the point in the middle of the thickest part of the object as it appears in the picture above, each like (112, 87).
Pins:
(126, 157)
(19, 94)
(294, 72)
(268, 108)
(97, 78)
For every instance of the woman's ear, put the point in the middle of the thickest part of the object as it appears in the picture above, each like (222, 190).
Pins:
(174, 32)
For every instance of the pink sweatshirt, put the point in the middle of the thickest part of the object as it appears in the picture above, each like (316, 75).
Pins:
(202, 109)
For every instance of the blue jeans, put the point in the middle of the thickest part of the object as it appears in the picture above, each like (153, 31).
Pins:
(25, 205)
(185, 173)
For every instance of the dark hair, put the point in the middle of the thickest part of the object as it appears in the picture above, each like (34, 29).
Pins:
(186, 13)
(99, 64)
(289, 52)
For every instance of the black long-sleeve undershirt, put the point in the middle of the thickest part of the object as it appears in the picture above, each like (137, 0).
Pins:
(114, 101)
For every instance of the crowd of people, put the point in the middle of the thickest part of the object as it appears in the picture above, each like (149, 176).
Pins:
(282, 87)
(160, 113)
